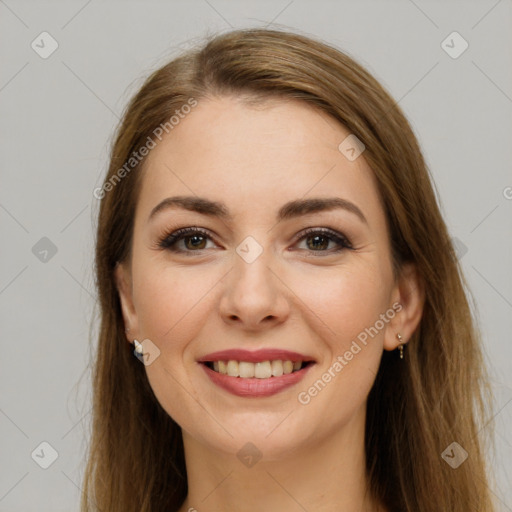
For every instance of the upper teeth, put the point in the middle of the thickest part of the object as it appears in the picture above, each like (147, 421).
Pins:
(261, 370)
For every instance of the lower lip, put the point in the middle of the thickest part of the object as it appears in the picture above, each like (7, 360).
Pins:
(252, 387)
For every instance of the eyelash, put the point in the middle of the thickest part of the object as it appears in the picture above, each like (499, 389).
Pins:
(169, 240)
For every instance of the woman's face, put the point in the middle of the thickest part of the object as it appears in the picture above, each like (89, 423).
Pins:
(254, 280)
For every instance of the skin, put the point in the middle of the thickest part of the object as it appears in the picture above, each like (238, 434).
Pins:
(305, 300)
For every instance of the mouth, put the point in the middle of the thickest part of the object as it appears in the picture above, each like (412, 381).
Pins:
(258, 370)
(255, 374)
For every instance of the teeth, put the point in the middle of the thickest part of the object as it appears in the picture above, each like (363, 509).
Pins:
(232, 369)
(277, 368)
(261, 370)
(246, 369)
(287, 367)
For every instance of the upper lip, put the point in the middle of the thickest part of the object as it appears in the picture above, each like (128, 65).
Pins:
(256, 356)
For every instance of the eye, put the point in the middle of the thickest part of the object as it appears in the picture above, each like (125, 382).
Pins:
(194, 239)
(318, 240)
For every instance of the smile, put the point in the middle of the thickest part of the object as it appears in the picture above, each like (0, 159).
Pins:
(260, 370)
(255, 374)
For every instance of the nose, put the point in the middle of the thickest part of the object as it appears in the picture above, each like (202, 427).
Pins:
(254, 296)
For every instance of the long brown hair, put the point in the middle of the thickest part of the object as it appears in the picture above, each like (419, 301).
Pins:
(416, 408)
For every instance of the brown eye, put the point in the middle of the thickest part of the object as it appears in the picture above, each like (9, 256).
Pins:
(318, 240)
(194, 240)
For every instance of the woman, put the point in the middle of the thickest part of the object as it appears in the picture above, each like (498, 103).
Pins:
(270, 248)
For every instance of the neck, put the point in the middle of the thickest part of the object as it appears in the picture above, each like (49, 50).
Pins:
(325, 475)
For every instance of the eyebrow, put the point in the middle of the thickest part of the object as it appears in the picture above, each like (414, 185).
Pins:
(289, 210)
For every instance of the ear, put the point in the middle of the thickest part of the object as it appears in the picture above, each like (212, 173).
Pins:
(123, 280)
(409, 292)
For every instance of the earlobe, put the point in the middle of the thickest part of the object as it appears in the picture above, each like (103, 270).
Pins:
(409, 292)
(124, 288)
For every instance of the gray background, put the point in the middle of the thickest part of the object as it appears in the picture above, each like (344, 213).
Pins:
(57, 119)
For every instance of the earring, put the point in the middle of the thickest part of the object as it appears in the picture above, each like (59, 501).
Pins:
(401, 346)
(138, 347)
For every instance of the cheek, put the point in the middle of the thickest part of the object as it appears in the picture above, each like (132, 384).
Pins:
(169, 302)
(346, 305)
(172, 305)
(346, 300)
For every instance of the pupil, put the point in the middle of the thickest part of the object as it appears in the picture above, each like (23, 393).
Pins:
(196, 238)
(316, 238)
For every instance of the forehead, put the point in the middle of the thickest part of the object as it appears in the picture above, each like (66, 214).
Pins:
(260, 155)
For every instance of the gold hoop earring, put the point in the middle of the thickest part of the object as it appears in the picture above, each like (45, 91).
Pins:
(401, 346)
